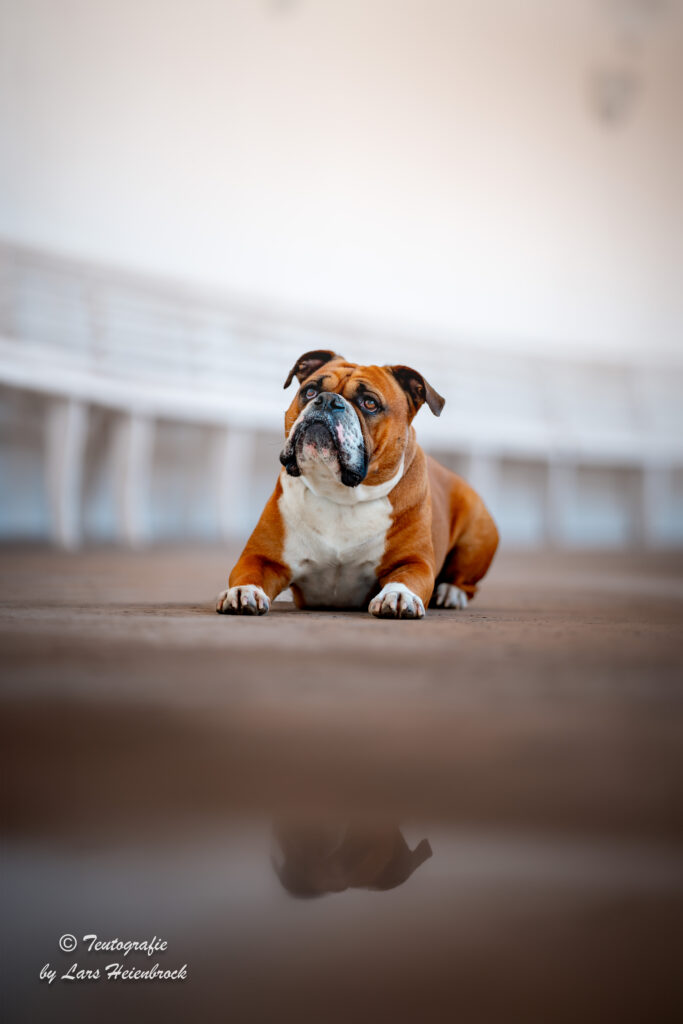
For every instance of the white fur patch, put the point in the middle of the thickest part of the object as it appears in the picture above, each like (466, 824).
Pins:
(333, 547)
(449, 596)
(322, 481)
(397, 601)
(248, 599)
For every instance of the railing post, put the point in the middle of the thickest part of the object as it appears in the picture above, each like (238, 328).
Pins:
(559, 493)
(233, 459)
(8, 292)
(132, 462)
(483, 473)
(655, 495)
(66, 426)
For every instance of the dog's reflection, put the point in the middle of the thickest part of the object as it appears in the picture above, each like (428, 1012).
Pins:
(314, 859)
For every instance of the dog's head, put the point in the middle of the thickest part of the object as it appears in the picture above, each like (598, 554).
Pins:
(351, 421)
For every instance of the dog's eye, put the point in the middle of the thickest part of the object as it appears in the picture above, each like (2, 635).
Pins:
(310, 392)
(369, 403)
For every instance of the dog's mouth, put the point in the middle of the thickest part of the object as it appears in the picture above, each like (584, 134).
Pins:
(317, 440)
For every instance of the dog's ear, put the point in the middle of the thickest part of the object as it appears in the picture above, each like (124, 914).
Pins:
(417, 389)
(308, 363)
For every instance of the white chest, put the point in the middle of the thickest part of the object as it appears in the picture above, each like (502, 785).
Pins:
(332, 549)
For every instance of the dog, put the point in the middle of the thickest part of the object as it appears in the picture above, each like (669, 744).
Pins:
(313, 860)
(360, 517)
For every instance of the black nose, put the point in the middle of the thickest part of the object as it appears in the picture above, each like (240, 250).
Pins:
(328, 400)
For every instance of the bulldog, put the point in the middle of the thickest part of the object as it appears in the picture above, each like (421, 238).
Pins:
(313, 860)
(360, 517)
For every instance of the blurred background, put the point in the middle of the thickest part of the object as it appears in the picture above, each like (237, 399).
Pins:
(191, 195)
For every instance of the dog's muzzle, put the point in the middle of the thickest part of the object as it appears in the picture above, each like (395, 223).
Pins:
(327, 430)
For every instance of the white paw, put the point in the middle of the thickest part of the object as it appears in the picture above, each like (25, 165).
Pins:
(448, 596)
(245, 600)
(395, 601)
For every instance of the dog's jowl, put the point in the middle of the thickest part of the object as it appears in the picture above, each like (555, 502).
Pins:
(360, 517)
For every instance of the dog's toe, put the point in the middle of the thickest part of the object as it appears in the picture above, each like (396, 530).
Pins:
(247, 599)
(447, 595)
(396, 601)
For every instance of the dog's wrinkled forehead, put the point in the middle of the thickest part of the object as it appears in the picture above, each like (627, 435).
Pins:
(350, 381)
(348, 378)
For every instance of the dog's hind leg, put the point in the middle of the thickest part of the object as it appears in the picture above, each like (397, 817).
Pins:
(467, 562)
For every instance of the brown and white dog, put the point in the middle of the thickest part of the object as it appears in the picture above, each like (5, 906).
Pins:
(360, 517)
(315, 859)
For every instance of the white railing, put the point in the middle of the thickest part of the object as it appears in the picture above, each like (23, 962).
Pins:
(87, 336)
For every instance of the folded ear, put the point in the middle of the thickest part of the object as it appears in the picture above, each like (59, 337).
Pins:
(308, 363)
(418, 389)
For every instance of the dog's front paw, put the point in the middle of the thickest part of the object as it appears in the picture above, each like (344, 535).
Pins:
(245, 600)
(447, 595)
(395, 601)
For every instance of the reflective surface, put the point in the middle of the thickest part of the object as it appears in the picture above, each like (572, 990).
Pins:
(328, 817)
(515, 927)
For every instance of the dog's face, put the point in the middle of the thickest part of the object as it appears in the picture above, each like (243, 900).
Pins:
(351, 420)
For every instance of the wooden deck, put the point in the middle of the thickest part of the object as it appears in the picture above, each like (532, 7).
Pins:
(535, 739)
